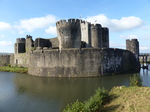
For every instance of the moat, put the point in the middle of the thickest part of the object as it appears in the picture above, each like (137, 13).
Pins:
(26, 93)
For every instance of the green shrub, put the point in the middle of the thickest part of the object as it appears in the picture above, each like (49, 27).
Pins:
(136, 80)
(9, 65)
(75, 107)
(93, 104)
(96, 102)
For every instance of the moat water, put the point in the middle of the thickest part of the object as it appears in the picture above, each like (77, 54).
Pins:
(25, 93)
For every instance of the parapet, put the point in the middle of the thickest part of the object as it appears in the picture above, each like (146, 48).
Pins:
(133, 41)
(95, 26)
(105, 28)
(20, 40)
(69, 21)
(28, 36)
(84, 22)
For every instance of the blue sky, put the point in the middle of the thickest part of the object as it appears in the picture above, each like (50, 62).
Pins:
(126, 19)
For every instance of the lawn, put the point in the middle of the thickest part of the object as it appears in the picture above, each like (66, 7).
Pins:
(14, 69)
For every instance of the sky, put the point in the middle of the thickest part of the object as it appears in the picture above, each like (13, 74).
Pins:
(126, 19)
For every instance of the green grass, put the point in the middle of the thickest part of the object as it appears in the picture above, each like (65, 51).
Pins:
(14, 69)
(129, 99)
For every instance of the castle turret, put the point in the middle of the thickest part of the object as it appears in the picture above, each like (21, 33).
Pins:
(69, 33)
(133, 46)
(96, 35)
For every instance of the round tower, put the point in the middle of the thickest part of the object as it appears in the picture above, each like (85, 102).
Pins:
(133, 46)
(96, 35)
(105, 37)
(69, 33)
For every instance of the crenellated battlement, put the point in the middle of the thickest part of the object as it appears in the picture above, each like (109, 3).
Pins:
(84, 22)
(105, 28)
(28, 36)
(94, 26)
(66, 22)
(132, 41)
(20, 40)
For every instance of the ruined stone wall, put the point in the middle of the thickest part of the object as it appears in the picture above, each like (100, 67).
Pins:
(40, 42)
(4, 60)
(12, 60)
(20, 45)
(54, 42)
(21, 59)
(29, 44)
(82, 62)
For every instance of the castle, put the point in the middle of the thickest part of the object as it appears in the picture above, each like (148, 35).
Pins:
(73, 33)
(80, 50)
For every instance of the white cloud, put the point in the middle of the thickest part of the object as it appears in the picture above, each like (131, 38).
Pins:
(144, 48)
(4, 26)
(51, 30)
(35, 23)
(129, 36)
(117, 45)
(125, 23)
(5, 43)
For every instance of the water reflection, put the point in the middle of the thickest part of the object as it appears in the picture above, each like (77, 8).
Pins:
(25, 93)
(145, 74)
(65, 90)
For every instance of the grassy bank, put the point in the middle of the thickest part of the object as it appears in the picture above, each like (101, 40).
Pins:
(14, 69)
(129, 99)
(119, 99)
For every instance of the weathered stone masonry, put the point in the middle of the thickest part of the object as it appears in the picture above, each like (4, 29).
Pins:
(4, 60)
(82, 62)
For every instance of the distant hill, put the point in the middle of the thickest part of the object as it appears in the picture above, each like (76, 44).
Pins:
(2, 53)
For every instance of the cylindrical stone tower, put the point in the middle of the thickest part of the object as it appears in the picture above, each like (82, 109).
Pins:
(69, 33)
(96, 35)
(133, 46)
(105, 37)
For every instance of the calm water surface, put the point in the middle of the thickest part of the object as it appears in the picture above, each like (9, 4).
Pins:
(25, 93)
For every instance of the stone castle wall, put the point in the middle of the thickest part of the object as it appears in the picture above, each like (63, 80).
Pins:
(4, 60)
(82, 62)
(85, 62)
(22, 59)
